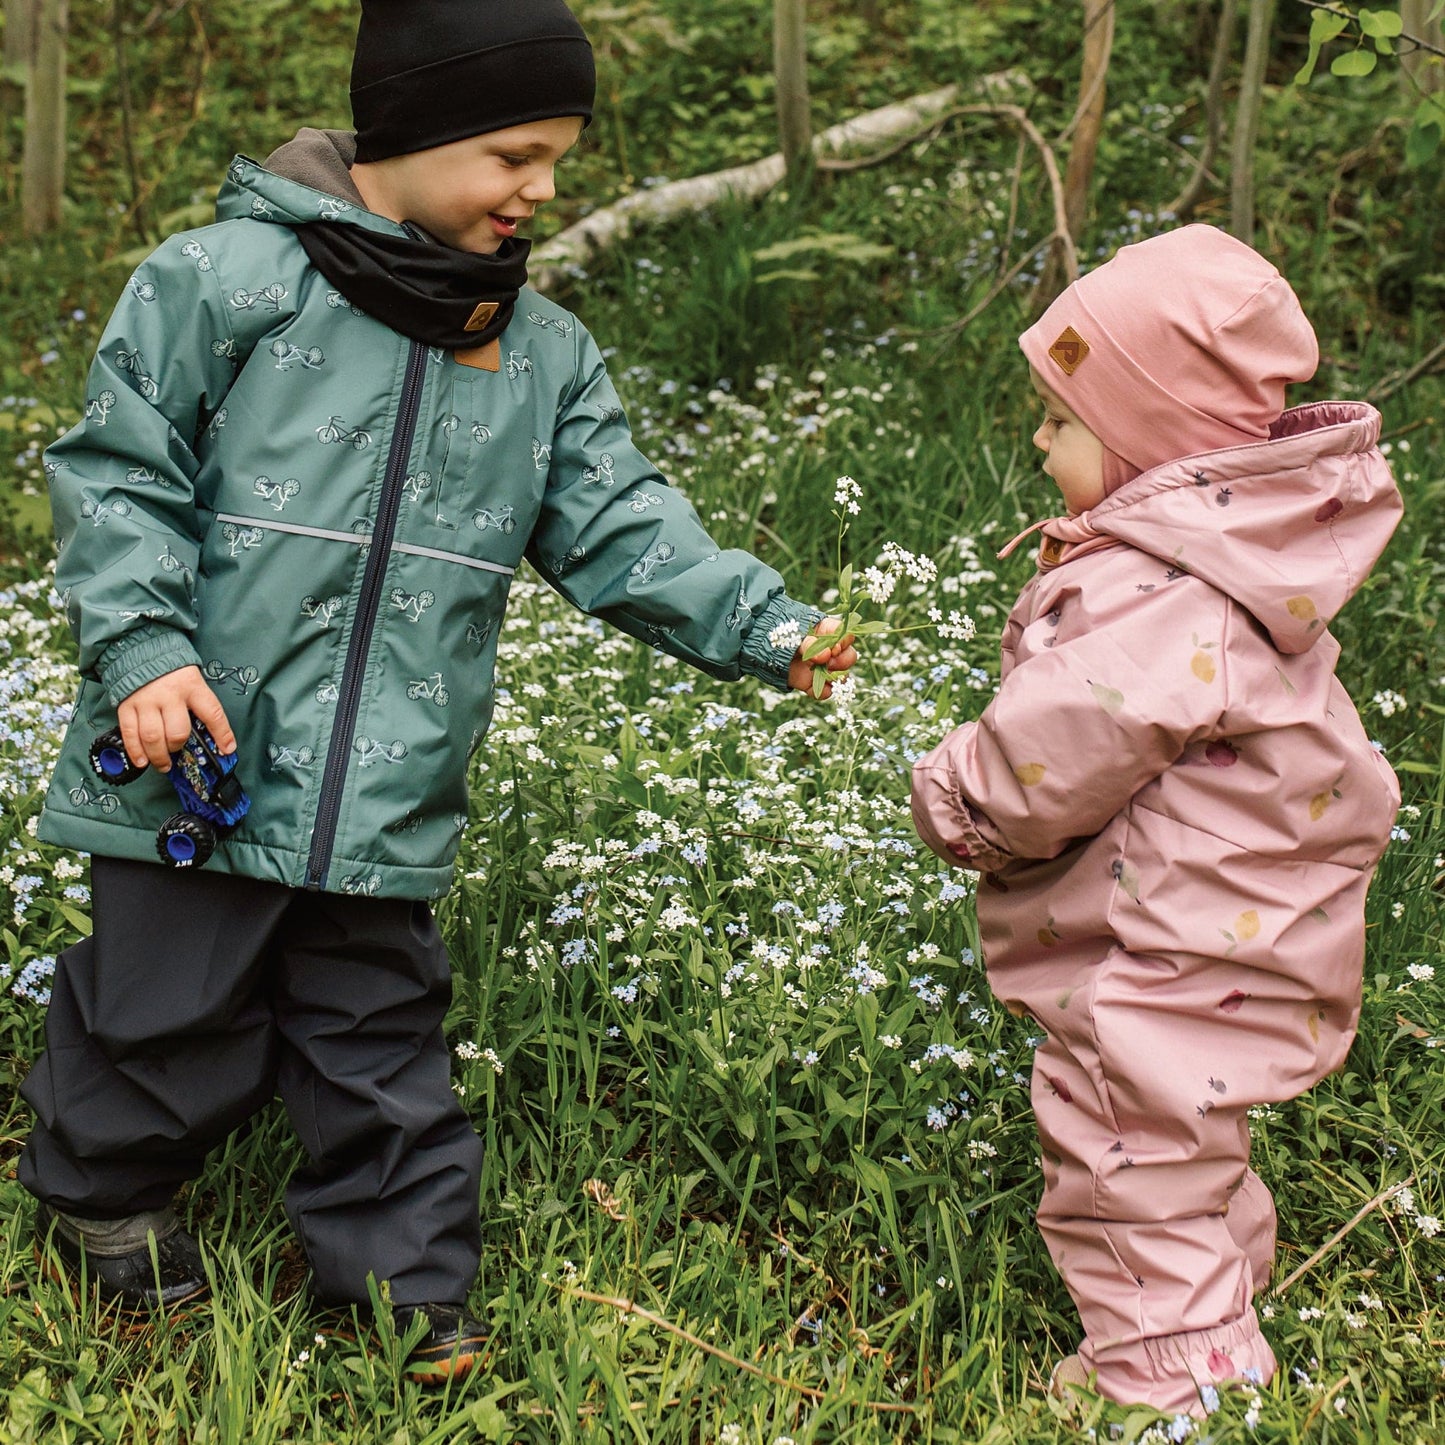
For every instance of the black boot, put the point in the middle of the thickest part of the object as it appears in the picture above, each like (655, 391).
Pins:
(116, 1256)
(453, 1344)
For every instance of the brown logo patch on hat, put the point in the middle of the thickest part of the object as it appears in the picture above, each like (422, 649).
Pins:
(1069, 351)
(483, 314)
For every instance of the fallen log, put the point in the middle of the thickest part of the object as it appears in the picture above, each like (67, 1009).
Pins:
(578, 243)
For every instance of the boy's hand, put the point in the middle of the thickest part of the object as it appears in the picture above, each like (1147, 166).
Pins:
(156, 719)
(838, 657)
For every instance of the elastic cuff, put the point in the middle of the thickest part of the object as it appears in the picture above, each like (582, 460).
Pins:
(759, 657)
(151, 651)
(947, 823)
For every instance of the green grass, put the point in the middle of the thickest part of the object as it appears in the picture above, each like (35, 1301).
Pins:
(737, 1143)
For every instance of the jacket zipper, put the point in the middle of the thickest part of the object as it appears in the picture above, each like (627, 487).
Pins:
(333, 780)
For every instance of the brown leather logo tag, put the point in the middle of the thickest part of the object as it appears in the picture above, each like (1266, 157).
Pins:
(483, 314)
(1069, 351)
(486, 357)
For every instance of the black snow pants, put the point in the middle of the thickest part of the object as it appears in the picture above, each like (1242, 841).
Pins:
(198, 998)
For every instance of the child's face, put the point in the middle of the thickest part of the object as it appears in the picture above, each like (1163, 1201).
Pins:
(1074, 456)
(472, 194)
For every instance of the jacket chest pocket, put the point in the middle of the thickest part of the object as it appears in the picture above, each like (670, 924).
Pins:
(474, 498)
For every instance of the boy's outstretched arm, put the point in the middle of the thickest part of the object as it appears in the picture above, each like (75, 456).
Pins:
(620, 543)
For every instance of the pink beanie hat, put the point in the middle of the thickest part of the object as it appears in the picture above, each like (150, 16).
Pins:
(1177, 345)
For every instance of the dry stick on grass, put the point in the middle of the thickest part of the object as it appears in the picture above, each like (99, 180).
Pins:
(1382, 1198)
(628, 1307)
(1398, 381)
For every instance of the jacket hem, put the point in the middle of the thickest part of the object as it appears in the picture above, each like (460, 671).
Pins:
(286, 866)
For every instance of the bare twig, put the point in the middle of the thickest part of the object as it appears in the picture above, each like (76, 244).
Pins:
(1184, 204)
(1382, 1198)
(628, 1307)
(1015, 190)
(1397, 381)
(159, 15)
(997, 289)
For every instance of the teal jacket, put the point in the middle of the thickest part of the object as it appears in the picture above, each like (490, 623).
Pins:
(325, 518)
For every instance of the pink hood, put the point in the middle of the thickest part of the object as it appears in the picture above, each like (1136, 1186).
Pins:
(1288, 527)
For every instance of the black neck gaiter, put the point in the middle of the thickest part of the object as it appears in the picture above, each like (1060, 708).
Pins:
(427, 291)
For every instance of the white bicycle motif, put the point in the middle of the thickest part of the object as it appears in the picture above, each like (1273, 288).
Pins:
(99, 513)
(281, 757)
(277, 493)
(320, 610)
(244, 677)
(82, 797)
(268, 297)
(601, 474)
(288, 355)
(412, 604)
(432, 688)
(372, 751)
(240, 538)
(646, 567)
(503, 519)
(134, 363)
(336, 430)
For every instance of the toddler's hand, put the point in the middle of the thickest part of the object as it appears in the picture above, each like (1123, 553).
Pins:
(839, 656)
(156, 719)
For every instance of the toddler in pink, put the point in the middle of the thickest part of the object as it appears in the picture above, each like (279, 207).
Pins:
(1171, 800)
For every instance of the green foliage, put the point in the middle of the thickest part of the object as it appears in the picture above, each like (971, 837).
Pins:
(736, 1140)
(1374, 33)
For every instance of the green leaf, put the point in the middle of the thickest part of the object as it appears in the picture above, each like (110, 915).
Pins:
(870, 1174)
(1356, 62)
(845, 581)
(78, 920)
(1324, 27)
(795, 275)
(1421, 143)
(820, 681)
(1382, 24)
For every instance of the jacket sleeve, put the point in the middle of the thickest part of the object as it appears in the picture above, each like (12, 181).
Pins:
(122, 480)
(1076, 730)
(619, 542)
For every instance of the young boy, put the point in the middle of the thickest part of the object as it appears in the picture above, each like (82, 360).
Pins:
(319, 437)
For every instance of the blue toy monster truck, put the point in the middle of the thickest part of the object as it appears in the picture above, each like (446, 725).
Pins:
(212, 799)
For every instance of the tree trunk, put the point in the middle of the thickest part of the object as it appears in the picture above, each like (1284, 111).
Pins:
(19, 30)
(1246, 120)
(1088, 119)
(1422, 70)
(790, 66)
(1188, 198)
(43, 161)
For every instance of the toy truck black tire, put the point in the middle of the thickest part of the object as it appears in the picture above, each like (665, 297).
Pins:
(109, 761)
(185, 841)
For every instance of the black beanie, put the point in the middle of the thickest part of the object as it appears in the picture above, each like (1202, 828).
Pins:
(428, 72)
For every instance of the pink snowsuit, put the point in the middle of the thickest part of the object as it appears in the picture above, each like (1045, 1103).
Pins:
(1176, 813)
